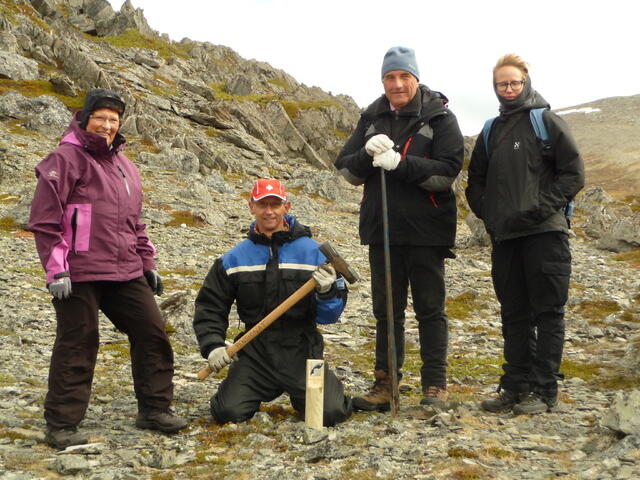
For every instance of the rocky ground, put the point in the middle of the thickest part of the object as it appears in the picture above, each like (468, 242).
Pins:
(457, 442)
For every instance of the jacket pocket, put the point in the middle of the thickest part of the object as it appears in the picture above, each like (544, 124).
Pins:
(77, 226)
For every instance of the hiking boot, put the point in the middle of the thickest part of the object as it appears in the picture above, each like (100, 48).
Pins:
(62, 438)
(162, 420)
(379, 397)
(535, 403)
(504, 402)
(434, 395)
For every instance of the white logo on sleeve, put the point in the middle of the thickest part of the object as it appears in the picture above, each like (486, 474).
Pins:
(516, 145)
(52, 174)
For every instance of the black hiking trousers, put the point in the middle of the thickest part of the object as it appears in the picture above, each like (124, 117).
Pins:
(275, 362)
(422, 268)
(132, 309)
(531, 280)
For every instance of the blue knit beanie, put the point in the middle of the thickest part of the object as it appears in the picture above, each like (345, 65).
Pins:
(400, 58)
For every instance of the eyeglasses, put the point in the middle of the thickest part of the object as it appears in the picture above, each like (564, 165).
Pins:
(514, 84)
(104, 120)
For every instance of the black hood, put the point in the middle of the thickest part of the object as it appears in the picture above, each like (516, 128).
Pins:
(100, 98)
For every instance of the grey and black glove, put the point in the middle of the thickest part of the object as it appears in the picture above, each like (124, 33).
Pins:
(324, 276)
(154, 281)
(61, 287)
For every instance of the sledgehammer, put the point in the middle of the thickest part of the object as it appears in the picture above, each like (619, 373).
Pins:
(333, 258)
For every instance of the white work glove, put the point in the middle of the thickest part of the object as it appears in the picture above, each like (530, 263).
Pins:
(219, 358)
(388, 160)
(378, 144)
(60, 288)
(324, 276)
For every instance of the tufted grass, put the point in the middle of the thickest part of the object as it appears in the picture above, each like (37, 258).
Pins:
(8, 224)
(185, 217)
(132, 38)
(596, 310)
(462, 306)
(13, 11)
(632, 257)
(280, 82)
(293, 108)
(36, 88)
(9, 199)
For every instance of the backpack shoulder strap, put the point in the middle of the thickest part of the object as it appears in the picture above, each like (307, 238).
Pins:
(486, 131)
(538, 124)
(541, 132)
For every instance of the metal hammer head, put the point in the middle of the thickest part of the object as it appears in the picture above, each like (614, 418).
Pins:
(338, 262)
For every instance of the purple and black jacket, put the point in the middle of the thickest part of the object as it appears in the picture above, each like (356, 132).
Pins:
(85, 212)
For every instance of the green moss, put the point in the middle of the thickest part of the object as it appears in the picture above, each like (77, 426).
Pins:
(132, 38)
(7, 379)
(212, 131)
(9, 199)
(497, 452)
(595, 310)
(292, 108)
(280, 82)
(187, 218)
(341, 134)
(15, 126)
(471, 472)
(481, 369)
(13, 10)
(462, 306)
(585, 371)
(8, 224)
(220, 91)
(618, 381)
(36, 88)
(117, 349)
(459, 452)
(178, 271)
(163, 90)
(632, 257)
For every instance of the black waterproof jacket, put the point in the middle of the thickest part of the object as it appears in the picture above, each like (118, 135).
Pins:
(518, 190)
(422, 207)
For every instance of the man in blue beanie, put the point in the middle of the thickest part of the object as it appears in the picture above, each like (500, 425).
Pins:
(411, 134)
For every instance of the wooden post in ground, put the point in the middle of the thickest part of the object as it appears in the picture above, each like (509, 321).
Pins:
(314, 399)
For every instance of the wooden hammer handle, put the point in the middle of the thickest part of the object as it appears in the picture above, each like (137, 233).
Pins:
(277, 312)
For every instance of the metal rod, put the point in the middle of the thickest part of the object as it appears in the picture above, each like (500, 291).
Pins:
(392, 363)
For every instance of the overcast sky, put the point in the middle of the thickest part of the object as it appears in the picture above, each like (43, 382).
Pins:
(578, 50)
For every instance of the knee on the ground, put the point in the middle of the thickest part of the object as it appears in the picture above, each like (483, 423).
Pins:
(229, 413)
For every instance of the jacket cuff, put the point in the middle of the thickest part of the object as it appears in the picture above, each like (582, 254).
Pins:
(332, 292)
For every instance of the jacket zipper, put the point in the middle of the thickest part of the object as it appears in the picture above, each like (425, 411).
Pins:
(74, 229)
(432, 195)
(124, 177)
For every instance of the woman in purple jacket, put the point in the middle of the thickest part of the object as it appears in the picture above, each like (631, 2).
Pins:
(96, 254)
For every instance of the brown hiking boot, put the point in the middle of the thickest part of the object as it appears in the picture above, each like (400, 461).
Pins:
(162, 420)
(379, 397)
(62, 438)
(434, 395)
